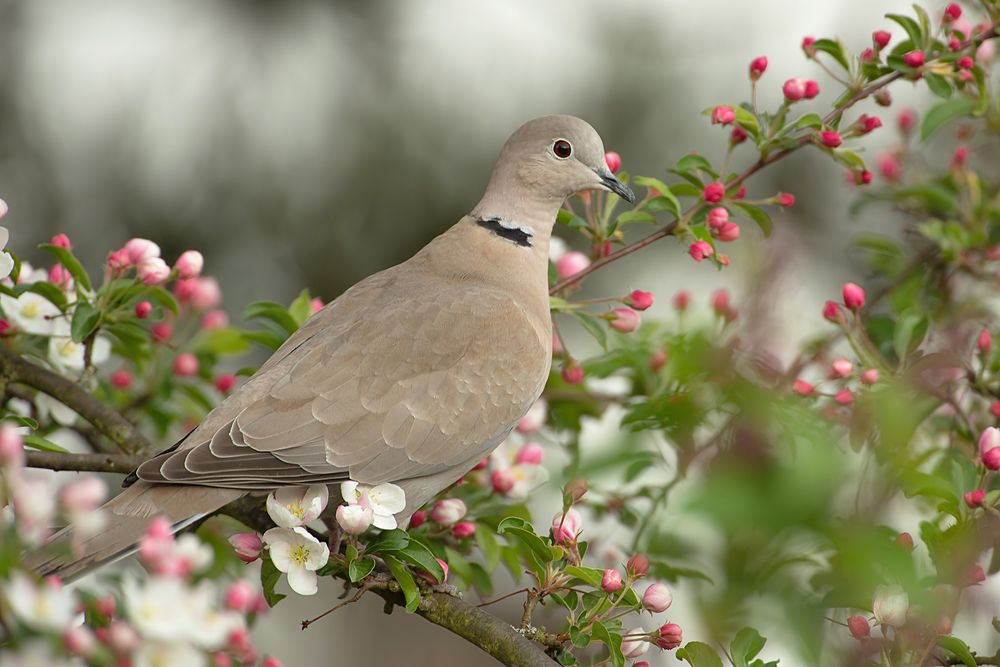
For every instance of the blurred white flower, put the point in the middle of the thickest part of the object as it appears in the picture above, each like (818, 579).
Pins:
(30, 312)
(295, 506)
(34, 504)
(158, 607)
(890, 605)
(385, 500)
(211, 625)
(298, 554)
(191, 554)
(158, 654)
(68, 355)
(6, 260)
(55, 409)
(518, 479)
(37, 653)
(48, 606)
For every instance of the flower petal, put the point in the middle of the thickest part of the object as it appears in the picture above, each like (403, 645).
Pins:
(279, 513)
(318, 557)
(349, 490)
(384, 521)
(388, 498)
(6, 264)
(303, 581)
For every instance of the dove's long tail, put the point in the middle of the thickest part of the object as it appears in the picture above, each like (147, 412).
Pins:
(128, 514)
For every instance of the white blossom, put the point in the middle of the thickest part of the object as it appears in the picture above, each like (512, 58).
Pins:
(298, 554)
(46, 606)
(69, 355)
(30, 312)
(385, 500)
(160, 654)
(355, 519)
(293, 506)
(36, 653)
(6, 260)
(158, 607)
(890, 605)
(55, 409)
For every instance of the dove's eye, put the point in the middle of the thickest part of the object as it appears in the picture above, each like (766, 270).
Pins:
(562, 149)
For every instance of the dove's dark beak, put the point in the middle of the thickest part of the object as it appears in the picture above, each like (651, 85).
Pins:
(611, 182)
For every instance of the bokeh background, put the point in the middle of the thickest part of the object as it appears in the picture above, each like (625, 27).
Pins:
(310, 144)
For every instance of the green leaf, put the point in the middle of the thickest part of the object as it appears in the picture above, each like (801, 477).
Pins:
(70, 263)
(271, 311)
(699, 655)
(419, 555)
(162, 297)
(589, 575)
(360, 568)
(627, 217)
(958, 648)
(911, 27)
(692, 161)
(810, 120)
(301, 308)
(224, 340)
(613, 640)
(946, 112)
(593, 327)
(571, 220)
(520, 529)
(36, 441)
(406, 583)
(488, 545)
(745, 646)
(268, 339)
(269, 576)
(388, 540)
(835, 49)
(663, 189)
(849, 159)
(747, 121)
(938, 85)
(85, 321)
(759, 216)
(23, 421)
(577, 637)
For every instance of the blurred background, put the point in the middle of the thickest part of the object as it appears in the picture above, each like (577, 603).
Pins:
(310, 144)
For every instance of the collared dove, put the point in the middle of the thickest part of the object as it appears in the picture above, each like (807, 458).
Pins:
(412, 376)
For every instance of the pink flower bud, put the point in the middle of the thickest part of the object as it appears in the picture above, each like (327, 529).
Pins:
(738, 135)
(566, 527)
(120, 379)
(82, 495)
(858, 624)
(854, 296)
(867, 55)
(866, 123)
(247, 546)
(639, 299)
(985, 341)
(122, 638)
(869, 376)
(989, 439)
(225, 382)
(681, 300)
(728, 231)
(883, 98)
(811, 89)
(613, 160)
(214, 319)
(841, 368)
(794, 89)
(633, 645)
(11, 447)
(354, 519)
(995, 409)
(741, 193)
(143, 309)
(670, 636)
(448, 512)
(657, 598)
(118, 260)
(720, 301)
(59, 276)
(162, 332)
(905, 540)
(958, 158)
(637, 566)
(417, 519)
(906, 120)
(975, 498)
(863, 177)
(889, 167)
(503, 481)
(611, 582)
(61, 241)
(572, 373)
(757, 67)
(974, 576)
(429, 578)
(657, 360)
(954, 43)
(807, 46)
(624, 320)
(966, 62)
(785, 199)
(185, 364)
(557, 346)
(803, 388)
(153, 271)
(530, 453)
(717, 217)
(79, 641)
(844, 397)
(952, 13)
(240, 596)
(713, 192)
(140, 250)
(220, 659)
(991, 459)
(831, 311)
(914, 59)
(206, 294)
(189, 264)
(463, 530)
(723, 115)
(534, 418)
(699, 250)
(271, 661)
(106, 606)
(571, 263)
(881, 38)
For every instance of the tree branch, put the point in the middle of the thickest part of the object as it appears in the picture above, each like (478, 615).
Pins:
(120, 463)
(13, 368)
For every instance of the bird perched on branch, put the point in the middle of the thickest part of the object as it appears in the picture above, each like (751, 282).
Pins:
(412, 376)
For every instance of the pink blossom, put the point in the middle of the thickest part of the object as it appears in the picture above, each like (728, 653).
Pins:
(794, 89)
(624, 320)
(448, 511)
(670, 636)
(844, 397)
(728, 231)
(952, 13)
(657, 598)
(681, 300)
(534, 418)
(714, 192)
(841, 368)
(717, 217)
(991, 459)
(613, 160)
(723, 115)
(143, 309)
(863, 177)
(975, 498)
(807, 46)
(271, 661)
(153, 271)
(889, 167)
(571, 263)
(914, 59)
(463, 530)
(869, 376)
(315, 305)
(966, 62)
(354, 519)
(566, 527)
(906, 119)
(866, 123)
(757, 67)
(738, 135)
(503, 481)
(785, 199)
(417, 519)
(79, 641)
(247, 546)
(699, 250)
(531, 453)
(11, 447)
(572, 373)
(82, 495)
(803, 388)
(858, 625)
(59, 276)
(118, 260)
(189, 264)
(974, 576)
(881, 38)
(215, 319)
(867, 54)
(156, 544)
(162, 331)
(657, 360)
(140, 250)
(831, 312)
(854, 296)
(985, 341)
(637, 566)
(633, 645)
(611, 581)
(120, 379)
(811, 89)
(207, 294)
(989, 439)
(959, 157)
(225, 382)
(240, 596)
(185, 364)
(639, 299)
(61, 241)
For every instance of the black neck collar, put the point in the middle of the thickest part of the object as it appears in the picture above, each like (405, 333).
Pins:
(513, 234)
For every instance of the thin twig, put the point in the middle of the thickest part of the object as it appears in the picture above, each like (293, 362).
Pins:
(119, 463)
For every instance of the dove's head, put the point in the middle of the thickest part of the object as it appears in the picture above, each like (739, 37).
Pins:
(545, 161)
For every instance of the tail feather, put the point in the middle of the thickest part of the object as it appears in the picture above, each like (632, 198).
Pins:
(129, 513)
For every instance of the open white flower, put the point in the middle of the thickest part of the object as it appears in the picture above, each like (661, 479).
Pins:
(158, 607)
(6, 261)
(34, 504)
(385, 500)
(211, 626)
(46, 606)
(516, 480)
(30, 312)
(890, 605)
(298, 554)
(157, 654)
(192, 554)
(60, 413)
(69, 355)
(36, 653)
(293, 506)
